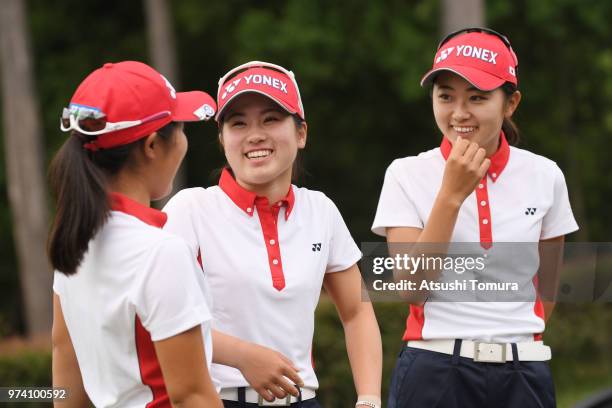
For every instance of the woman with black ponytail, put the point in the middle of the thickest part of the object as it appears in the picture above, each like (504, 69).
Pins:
(131, 311)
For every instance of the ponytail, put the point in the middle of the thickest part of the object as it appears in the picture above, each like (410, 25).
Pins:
(508, 126)
(79, 181)
(79, 186)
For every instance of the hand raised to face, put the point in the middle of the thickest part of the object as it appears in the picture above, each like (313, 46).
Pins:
(466, 165)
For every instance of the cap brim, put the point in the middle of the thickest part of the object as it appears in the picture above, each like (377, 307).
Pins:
(193, 106)
(258, 91)
(480, 79)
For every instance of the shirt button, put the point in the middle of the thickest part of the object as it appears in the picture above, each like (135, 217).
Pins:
(275, 261)
(481, 185)
(280, 203)
(272, 242)
(485, 221)
(483, 203)
(494, 175)
(249, 210)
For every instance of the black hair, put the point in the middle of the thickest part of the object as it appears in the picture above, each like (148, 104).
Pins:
(79, 182)
(510, 128)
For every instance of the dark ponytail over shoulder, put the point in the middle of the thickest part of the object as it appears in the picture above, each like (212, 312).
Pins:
(79, 179)
(510, 128)
(79, 186)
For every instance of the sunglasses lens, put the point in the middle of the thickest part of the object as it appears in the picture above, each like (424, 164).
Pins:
(88, 120)
(92, 124)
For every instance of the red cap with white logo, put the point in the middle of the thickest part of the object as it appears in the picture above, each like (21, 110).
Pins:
(263, 78)
(481, 58)
(133, 91)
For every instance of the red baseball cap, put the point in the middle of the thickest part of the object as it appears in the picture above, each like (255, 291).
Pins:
(481, 56)
(131, 91)
(263, 78)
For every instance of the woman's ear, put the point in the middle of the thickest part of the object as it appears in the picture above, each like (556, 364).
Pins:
(150, 146)
(512, 102)
(221, 138)
(302, 134)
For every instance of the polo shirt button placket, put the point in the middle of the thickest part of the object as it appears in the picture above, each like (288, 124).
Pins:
(484, 214)
(268, 220)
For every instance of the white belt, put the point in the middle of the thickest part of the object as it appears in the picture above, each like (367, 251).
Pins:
(251, 396)
(487, 352)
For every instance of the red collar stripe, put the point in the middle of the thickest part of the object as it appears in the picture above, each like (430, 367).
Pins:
(148, 215)
(245, 199)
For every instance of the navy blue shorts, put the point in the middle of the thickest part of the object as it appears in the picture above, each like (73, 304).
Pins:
(426, 379)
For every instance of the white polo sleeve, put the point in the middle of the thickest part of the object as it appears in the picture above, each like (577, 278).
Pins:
(59, 279)
(181, 218)
(395, 206)
(169, 294)
(559, 220)
(343, 251)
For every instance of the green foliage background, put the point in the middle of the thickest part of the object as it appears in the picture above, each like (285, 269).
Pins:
(358, 64)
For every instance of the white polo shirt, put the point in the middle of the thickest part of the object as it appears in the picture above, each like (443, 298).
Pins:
(265, 264)
(523, 198)
(137, 284)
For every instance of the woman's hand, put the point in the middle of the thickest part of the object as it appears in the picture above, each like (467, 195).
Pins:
(268, 372)
(465, 167)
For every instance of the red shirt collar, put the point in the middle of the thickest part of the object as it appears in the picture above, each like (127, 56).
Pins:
(148, 215)
(498, 160)
(245, 199)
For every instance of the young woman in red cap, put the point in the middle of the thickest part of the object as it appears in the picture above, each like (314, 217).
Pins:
(131, 309)
(268, 247)
(475, 188)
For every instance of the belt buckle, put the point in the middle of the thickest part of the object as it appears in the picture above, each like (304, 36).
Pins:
(263, 403)
(488, 352)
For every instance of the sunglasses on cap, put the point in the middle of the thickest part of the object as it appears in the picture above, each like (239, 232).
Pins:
(502, 37)
(92, 121)
(260, 64)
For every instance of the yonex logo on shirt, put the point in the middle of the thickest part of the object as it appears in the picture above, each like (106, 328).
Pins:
(470, 52)
(316, 247)
(530, 211)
